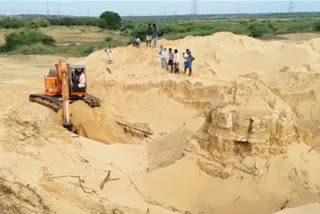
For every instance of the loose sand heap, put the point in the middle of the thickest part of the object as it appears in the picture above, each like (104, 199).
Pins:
(236, 137)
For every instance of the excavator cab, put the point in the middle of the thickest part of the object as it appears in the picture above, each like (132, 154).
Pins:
(77, 73)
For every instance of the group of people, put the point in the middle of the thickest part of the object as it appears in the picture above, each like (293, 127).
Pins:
(172, 60)
(152, 35)
(168, 59)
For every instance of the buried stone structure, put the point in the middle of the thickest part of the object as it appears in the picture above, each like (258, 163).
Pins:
(250, 120)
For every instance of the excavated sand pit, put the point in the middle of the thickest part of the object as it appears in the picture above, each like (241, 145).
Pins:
(237, 135)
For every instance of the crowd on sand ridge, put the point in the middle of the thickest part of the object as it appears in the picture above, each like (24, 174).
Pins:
(172, 60)
(168, 59)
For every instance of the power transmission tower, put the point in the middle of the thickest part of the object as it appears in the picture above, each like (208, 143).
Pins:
(59, 9)
(195, 7)
(47, 9)
(291, 6)
(165, 10)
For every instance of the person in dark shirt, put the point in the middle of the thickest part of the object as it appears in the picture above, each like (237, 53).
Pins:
(149, 35)
(155, 36)
(171, 57)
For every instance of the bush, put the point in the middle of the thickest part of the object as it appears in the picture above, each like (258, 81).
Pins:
(26, 37)
(257, 30)
(68, 21)
(87, 50)
(109, 20)
(127, 25)
(244, 22)
(12, 23)
(272, 27)
(317, 26)
(36, 23)
(139, 31)
(108, 39)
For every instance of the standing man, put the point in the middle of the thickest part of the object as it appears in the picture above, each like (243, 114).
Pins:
(188, 63)
(109, 54)
(155, 36)
(185, 57)
(149, 35)
(176, 61)
(171, 57)
(163, 57)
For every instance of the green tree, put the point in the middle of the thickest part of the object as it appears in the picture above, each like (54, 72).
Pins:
(109, 20)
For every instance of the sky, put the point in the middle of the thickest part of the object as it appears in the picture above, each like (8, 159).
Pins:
(154, 7)
(162, 0)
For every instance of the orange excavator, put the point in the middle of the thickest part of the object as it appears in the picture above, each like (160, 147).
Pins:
(64, 85)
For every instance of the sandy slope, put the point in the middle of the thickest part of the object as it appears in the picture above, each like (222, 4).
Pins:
(234, 136)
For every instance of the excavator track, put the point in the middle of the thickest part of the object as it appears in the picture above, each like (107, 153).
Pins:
(92, 101)
(55, 102)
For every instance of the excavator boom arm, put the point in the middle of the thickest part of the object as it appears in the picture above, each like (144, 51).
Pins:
(63, 76)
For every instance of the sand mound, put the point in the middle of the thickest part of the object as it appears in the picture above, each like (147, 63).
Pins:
(299, 87)
(223, 55)
(310, 209)
(234, 136)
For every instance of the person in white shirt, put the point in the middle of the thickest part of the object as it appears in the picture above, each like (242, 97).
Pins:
(163, 57)
(82, 80)
(136, 42)
(109, 54)
(176, 61)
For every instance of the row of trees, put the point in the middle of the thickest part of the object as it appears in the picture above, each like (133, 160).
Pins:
(21, 23)
(107, 20)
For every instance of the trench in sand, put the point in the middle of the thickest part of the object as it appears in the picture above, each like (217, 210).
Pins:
(135, 112)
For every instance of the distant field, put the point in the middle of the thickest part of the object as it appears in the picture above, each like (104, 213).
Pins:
(74, 41)
(78, 34)
(300, 36)
(294, 37)
(74, 34)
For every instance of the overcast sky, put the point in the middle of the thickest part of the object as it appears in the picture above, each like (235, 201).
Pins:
(154, 7)
(169, 0)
